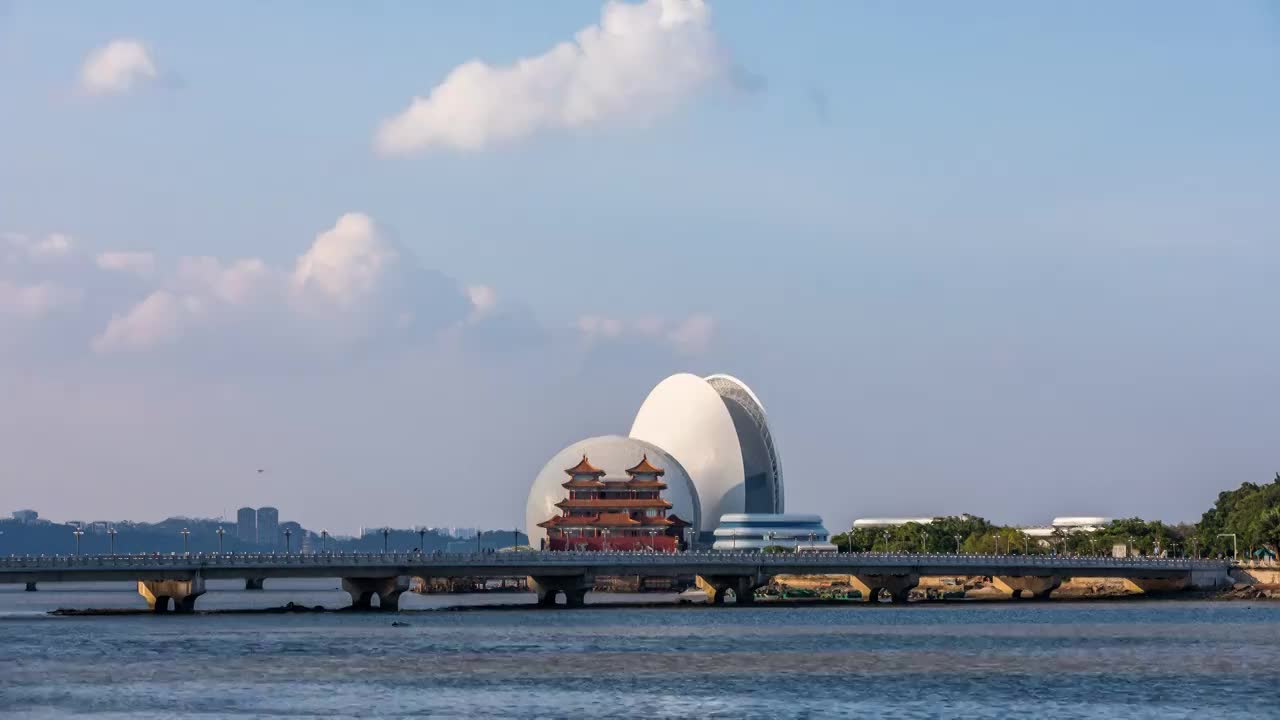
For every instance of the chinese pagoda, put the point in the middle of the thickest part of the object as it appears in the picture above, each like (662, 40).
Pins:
(603, 514)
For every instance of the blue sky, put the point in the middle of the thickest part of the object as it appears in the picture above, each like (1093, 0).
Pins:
(1015, 259)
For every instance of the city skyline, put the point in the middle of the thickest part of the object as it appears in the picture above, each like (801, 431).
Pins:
(377, 267)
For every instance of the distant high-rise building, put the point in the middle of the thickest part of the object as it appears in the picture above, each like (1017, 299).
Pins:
(294, 543)
(26, 516)
(247, 525)
(268, 527)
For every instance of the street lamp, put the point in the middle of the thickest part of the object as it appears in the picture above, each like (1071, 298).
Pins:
(1026, 544)
(1235, 550)
(186, 547)
(422, 538)
(220, 532)
(386, 539)
(111, 538)
(887, 547)
(324, 540)
(653, 538)
(288, 546)
(79, 533)
(604, 543)
(957, 537)
(850, 538)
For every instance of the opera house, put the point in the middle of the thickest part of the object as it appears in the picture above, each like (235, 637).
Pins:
(699, 449)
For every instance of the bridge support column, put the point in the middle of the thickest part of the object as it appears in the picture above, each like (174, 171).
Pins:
(158, 593)
(31, 587)
(254, 583)
(898, 586)
(574, 587)
(743, 587)
(1027, 586)
(1152, 586)
(388, 590)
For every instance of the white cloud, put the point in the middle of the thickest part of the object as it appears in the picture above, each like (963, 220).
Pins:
(117, 67)
(344, 264)
(693, 336)
(640, 61)
(483, 298)
(594, 326)
(159, 319)
(138, 263)
(54, 246)
(690, 336)
(35, 300)
(237, 283)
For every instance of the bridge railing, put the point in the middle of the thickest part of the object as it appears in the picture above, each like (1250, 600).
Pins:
(614, 558)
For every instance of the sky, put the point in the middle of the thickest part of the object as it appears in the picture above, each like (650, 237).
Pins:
(1010, 259)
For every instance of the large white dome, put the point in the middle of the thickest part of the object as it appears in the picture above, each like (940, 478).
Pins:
(613, 454)
(716, 428)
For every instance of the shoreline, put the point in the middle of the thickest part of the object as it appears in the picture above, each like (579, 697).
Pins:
(688, 604)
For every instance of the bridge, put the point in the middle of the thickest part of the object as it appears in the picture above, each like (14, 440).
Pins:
(180, 578)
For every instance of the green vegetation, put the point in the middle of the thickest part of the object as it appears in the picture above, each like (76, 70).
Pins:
(1252, 512)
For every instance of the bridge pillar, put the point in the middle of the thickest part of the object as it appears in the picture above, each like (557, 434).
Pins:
(1151, 586)
(743, 587)
(31, 587)
(254, 583)
(158, 593)
(574, 587)
(1027, 586)
(388, 590)
(898, 586)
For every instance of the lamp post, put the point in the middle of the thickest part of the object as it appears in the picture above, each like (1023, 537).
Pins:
(850, 538)
(996, 537)
(79, 533)
(957, 537)
(604, 542)
(288, 546)
(324, 540)
(386, 539)
(653, 538)
(422, 538)
(887, 547)
(111, 538)
(1235, 550)
(1026, 544)
(220, 532)
(186, 546)
(813, 538)
(1195, 548)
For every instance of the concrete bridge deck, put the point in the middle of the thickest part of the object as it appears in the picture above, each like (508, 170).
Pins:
(385, 575)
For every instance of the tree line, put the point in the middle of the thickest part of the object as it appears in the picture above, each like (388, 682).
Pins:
(1251, 512)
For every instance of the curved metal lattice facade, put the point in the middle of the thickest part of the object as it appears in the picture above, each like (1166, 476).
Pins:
(762, 469)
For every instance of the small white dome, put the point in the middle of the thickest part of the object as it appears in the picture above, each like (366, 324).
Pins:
(613, 454)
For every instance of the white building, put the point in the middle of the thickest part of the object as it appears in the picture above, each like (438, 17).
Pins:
(712, 437)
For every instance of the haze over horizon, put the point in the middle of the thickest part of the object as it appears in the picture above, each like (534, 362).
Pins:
(399, 255)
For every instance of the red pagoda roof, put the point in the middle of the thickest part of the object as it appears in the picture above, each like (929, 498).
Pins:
(585, 468)
(644, 467)
(605, 504)
(617, 519)
(677, 521)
